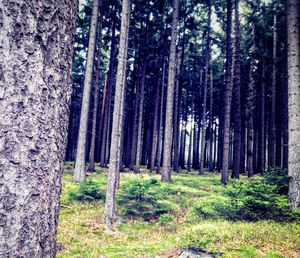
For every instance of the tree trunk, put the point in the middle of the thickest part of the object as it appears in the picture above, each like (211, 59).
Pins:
(237, 94)
(272, 137)
(293, 13)
(160, 131)
(109, 210)
(34, 107)
(140, 120)
(91, 167)
(211, 118)
(250, 137)
(228, 95)
(79, 171)
(262, 149)
(166, 172)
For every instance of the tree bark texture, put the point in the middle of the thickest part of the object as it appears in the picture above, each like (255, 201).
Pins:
(166, 172)
(109, 211)
(36, 42)
(293, 13)
(79, 171)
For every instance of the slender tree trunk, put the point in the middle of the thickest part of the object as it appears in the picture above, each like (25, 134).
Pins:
(160, 131)
(34, 107)
(272, 137)
(251, 103)
(293, 13)
(109, 210)
(262, 149)
(228, 95)
(176, 113)
(91, 167)
(79, 171)
(211, 118)
(166, 172)
(190, 141)
(237, 94)
(140, 121)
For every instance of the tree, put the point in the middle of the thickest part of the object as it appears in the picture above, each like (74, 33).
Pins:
(293, 11)
(205, 87)
(228, 95)
(91, 167)
(34, 100)
(237, 93)
(166, 172)
(109, 211)
(79, 171)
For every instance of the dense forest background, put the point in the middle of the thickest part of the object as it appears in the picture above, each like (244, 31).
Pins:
(257, 128)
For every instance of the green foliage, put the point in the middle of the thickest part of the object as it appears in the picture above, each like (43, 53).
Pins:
(165, 219)
(279, 178)
(141, 198)
(245, 200)
(88, 190)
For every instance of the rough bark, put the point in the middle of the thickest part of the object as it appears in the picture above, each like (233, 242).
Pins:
(166, 172)
(293, 13)
(109, 211)
(35, 70)
(262, 149)
(237, 94)
(228, 95)
(79, 171)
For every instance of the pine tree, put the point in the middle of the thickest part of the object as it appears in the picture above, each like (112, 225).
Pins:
(34, 107)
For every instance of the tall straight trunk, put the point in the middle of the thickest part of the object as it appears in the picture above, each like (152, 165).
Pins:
(177, 112)
(228, 95)
(155, 129)
(34, 107)
(251, 103)
(237, 94)
(211, 118)
(189, 165)
(91, 167)
(272, 137)
(140, 120)
(293, 16)
(262, 148)
(166, 172)
(160, 129)
(205, 87)
(109, 210)
(135, 121)
(106, 108)
(79, 171)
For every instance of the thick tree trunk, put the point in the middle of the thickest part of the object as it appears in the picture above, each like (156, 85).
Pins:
(293, 13)
(109, 211)
(228, 95)
(34, 107)
(91, 167)
(237, 94)
(79, 171)
(166, 172)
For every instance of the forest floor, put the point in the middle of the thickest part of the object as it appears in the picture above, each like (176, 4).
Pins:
(81, 231)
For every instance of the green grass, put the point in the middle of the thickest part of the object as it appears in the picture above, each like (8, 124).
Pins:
(83, 234)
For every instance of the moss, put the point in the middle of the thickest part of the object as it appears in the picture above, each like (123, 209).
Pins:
(83, 234)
